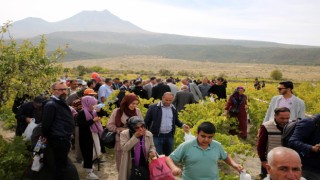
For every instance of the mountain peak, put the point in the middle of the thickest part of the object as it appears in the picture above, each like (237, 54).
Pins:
(83, 21)
(94, 13)
(93, 18)
(32, 19)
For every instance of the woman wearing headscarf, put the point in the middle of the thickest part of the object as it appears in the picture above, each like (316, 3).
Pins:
(137, 147)
(90, 129)
(118, 121)
(236, 107)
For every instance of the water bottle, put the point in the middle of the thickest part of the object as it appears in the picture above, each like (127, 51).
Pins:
(38, 146)
(244, 176)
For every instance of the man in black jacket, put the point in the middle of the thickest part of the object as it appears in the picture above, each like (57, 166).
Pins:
(160, 89)
(57, 128)
(27, 111)
(306, 141)
(139, 91)
(219, 89)
(161, 120)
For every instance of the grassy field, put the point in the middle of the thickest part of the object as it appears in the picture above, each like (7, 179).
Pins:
(237, 70)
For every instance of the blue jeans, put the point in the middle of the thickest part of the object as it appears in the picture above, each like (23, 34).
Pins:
(164, 143)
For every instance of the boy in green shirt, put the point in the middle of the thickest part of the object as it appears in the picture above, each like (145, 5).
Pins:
(200, 156)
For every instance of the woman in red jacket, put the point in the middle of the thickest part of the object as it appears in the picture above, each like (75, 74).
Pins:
(236, 107)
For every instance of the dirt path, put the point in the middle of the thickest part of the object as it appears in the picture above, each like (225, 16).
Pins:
(107, 168)
(5, 133)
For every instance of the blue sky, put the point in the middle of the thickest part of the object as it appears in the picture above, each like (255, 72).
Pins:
(283, 21)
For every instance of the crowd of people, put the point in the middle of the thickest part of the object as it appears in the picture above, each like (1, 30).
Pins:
(71, 119)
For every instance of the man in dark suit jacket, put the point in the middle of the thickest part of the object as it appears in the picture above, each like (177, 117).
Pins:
(139, 91)
(193, 88)
(160, 89)
(116, 84)
(182, 98)
(122, 91)
(148, 87)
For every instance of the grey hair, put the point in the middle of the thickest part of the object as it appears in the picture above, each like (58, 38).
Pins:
(184, 87)
(168, 93)
(53, 86)
(280, 150)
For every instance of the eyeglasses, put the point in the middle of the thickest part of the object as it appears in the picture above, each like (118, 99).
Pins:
(60, 89)
(279, 89)
(138, 127)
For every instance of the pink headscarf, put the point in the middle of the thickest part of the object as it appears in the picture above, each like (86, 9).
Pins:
(87, 102)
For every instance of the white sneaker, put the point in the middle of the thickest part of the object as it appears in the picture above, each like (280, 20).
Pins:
(91, 175)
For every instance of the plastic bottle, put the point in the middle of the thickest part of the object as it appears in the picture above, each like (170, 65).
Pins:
(38, 146)
(244, 176)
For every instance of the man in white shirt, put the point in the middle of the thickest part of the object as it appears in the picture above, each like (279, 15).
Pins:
(288, 100)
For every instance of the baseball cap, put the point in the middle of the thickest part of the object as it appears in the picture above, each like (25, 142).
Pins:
(89, 92)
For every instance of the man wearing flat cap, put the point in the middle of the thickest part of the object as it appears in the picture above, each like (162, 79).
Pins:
(27, 111)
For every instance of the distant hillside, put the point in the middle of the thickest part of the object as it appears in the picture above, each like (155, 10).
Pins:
(151, 39)
(100, 34)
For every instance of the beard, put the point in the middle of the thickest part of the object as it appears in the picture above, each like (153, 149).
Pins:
(63, 97)
(284, 92)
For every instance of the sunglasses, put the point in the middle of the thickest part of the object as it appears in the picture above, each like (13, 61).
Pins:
(279, 89)
(138, 127)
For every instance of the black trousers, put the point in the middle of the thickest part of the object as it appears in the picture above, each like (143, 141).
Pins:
(60, 149)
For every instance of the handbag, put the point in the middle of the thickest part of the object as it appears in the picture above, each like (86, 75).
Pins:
(159, 169)
(234, 111)
(108, 138)
(139, 173)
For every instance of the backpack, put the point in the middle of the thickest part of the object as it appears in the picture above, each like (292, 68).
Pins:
(287, 132)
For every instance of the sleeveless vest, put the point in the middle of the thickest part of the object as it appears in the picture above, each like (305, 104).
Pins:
(274, 135)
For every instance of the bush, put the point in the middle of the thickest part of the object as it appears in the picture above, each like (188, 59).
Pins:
(81, 70)
(165, 72)
(276, 74)
(183, 73)
(7, 116)
(14, 158)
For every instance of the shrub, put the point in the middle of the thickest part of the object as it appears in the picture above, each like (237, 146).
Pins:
(276, 74)
(165, 72)
(14, 158)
